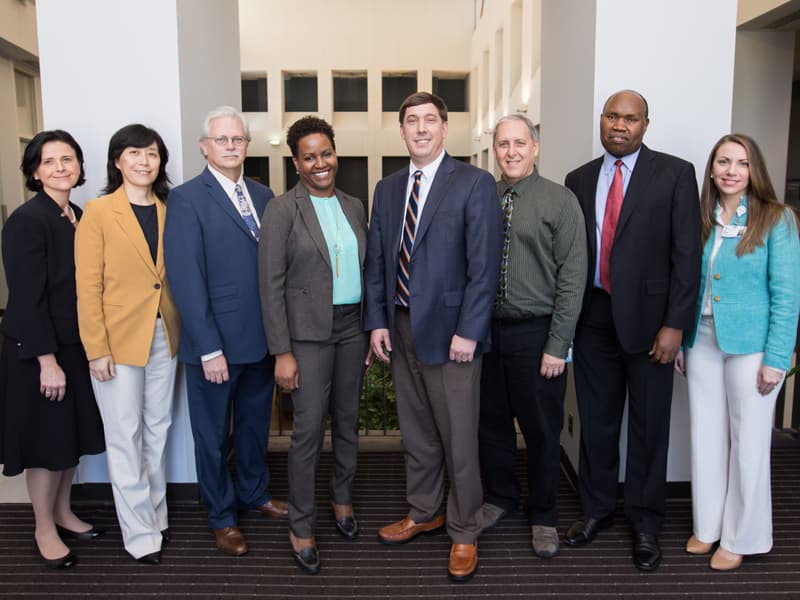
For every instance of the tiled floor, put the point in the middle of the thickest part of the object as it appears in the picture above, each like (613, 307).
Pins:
(193, 568)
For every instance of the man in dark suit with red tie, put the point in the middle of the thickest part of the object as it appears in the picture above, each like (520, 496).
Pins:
(642, 219)
(431, 272)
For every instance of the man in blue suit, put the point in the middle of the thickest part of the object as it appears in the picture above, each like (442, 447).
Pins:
(431, 272)
(211, 255)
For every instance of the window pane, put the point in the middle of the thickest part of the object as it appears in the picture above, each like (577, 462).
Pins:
(257, 167)
(396, 88)
(352, 178)
(291, 173)
(26, 104)
(454, 90)
(392, 164)
(349, 92)
(254, 95)
(300, 93)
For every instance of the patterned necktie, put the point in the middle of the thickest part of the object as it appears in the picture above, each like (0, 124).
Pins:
(610, 220)
(244, 210)
(507, 204)
(409, 230)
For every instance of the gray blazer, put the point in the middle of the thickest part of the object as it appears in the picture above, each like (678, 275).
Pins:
(294, 268)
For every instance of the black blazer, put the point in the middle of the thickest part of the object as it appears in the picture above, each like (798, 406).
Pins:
(655, 261)
(39, 260)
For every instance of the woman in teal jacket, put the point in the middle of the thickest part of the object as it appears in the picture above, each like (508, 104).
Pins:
(739, 350)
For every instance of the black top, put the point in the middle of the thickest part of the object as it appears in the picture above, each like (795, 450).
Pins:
(39, 259)
(148, 220)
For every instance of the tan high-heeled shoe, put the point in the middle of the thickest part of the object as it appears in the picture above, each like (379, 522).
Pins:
(695, 546)
(723, 560)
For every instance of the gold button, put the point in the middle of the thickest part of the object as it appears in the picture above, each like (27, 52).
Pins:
(716, 276)
(716, 298)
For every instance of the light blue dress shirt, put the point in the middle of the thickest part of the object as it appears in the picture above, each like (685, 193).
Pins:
(342, 244)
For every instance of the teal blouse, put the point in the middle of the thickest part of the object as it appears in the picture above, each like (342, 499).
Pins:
(342, 248)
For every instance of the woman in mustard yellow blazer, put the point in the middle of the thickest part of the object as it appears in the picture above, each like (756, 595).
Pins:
(129, 328)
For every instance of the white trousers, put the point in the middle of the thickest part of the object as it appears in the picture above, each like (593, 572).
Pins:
(731, 435)
(136, 408)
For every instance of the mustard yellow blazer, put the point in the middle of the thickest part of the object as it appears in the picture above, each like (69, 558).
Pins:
(120, 290)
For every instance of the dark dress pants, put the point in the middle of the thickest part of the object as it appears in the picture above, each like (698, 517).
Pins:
(603, 374)
(330, 384)
(248, 393)
(511, 386)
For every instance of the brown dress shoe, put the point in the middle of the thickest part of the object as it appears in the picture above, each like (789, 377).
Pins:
(231, 541)
(695, 546)
(406, 530)
(274, 509)
(463, 562)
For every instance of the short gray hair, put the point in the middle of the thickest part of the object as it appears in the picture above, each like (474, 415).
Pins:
(225, 111)
(522, 119)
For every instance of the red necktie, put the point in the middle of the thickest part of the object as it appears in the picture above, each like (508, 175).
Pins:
(610, 220)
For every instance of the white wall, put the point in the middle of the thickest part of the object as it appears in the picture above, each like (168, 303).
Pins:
(762, 99)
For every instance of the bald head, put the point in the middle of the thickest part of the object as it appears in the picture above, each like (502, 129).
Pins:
(623, 122)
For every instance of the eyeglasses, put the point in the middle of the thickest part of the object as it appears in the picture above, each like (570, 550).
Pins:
(223, 140)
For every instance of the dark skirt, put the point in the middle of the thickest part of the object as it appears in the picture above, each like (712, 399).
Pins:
(39, 433)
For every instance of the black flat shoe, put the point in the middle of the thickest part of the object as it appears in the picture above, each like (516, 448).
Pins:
(150, 559)
(583, 532)
(646, 552)
(65, 562)
(165, 536)
(307, 560)
(91, 534)
(347, 527)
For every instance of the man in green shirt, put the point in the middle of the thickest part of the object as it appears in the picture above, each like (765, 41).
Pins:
(542, 279)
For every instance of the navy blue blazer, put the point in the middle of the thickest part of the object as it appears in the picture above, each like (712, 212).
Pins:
(655, 260)
(455, 261)
(212, 268)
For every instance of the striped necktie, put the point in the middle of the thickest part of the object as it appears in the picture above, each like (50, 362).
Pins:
(409, 230)
(247, 215)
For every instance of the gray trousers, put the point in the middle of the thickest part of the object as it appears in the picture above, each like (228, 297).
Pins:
(330, 384)
(438, 407)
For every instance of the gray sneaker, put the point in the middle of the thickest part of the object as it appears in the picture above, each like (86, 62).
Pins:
(545, 541)
(491, 515)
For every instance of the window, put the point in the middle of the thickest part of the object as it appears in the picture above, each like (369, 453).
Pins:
(291, 173)
(26, 105)
(453, 88)
(392, 164)
(257, 167)
(350, 91)
(254, 93)
(396, 87)
(300, 92)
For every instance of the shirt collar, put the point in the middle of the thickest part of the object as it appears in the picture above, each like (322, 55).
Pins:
(629, 160)
(429, 170)
(228, 185)
(521, 186)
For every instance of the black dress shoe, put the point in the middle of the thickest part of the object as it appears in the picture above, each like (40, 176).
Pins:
(65, 562)
(150, 559)
(583, 532)
(646, 552)
(165, 536)
(93, 533)
(308, 560)
(347, 527)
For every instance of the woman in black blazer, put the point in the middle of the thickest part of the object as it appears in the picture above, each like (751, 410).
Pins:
(311, 255)
(48, 415)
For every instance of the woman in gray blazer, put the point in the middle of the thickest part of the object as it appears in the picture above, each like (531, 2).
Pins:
(311, 255)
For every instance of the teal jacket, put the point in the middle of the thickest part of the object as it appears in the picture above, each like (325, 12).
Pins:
(755, 298)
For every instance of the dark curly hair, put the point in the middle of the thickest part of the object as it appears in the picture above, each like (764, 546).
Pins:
(306, 126)
(32, 157)
(136, 136)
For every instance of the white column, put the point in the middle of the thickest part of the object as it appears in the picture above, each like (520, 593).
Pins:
(162, 63)
(680, 56)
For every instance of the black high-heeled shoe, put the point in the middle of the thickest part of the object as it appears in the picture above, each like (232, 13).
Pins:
(91, 534)
(65, 562)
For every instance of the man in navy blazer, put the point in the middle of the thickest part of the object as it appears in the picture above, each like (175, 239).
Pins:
(641, 292)
(211, 255)
(431, 273)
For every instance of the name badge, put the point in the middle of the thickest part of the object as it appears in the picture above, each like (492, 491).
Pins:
(733, 231)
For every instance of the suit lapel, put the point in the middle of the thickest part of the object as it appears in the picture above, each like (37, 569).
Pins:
(588, 198)
(637, 187)
(348, 207)
(441, 182)
(161, 210)
(127, 221)
(309, 215)
(218, 195)
(259, 201)
(397, 211)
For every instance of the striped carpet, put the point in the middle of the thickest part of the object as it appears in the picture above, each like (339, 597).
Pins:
(193, 568)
